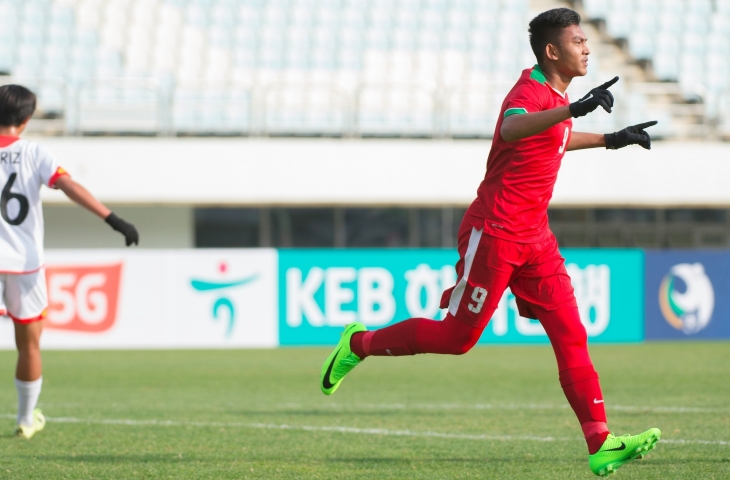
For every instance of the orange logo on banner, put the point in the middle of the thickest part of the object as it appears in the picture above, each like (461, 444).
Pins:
(83, 299)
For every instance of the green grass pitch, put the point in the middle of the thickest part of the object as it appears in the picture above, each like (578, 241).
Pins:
(497, 412)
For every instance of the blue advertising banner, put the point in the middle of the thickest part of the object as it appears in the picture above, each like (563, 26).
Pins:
(610, 295)
(322, 290)
(687, 295)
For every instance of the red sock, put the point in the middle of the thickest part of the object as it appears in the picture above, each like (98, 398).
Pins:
(396, 340)
(583, 391)
(417, 335)
(359, 345)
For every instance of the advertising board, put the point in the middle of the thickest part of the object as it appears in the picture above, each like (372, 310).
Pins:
(322, 290)
(159, 299)
(687, 295)
(238, 298)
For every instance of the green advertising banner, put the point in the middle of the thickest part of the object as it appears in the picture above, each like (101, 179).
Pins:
(322, 290)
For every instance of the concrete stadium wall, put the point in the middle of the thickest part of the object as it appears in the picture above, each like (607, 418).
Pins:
(260, 172)
(69, 226)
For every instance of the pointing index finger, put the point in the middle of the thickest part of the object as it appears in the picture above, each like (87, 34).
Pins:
(609, 83)
(642, 126)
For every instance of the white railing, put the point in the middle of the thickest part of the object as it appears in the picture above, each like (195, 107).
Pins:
(396, 109)
(121, 105)
(52, 112)
(303, 108)
(680, 109)
(722, 127)
(199, 107)
(147, 106)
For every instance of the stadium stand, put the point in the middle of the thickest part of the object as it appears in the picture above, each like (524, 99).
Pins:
(414, 68)
(683, 41)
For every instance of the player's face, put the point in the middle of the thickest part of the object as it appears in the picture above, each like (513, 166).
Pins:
(573, 52)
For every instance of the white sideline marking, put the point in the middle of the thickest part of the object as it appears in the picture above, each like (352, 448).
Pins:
(338, 429)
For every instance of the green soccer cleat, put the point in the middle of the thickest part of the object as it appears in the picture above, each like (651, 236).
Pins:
(39, 422)
(616, 451)
(341, 361)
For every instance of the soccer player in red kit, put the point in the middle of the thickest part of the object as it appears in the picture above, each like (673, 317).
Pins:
(505, 241)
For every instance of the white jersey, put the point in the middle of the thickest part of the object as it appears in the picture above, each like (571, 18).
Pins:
(25, 166)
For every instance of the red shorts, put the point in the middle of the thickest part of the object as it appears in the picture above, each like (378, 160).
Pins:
(535, 272)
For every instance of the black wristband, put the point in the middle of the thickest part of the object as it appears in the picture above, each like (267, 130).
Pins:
(611, 141)
(575, 110)
(113, 220)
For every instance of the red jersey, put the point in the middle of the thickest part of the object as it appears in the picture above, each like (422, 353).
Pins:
(513, 198)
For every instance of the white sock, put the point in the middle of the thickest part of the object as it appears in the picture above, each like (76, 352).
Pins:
(28, 393)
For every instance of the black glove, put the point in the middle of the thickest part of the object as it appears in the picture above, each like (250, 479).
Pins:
(598, 96)
(633, 135)
(127, 229)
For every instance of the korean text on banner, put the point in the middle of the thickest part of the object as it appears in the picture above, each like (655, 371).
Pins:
(322, 290)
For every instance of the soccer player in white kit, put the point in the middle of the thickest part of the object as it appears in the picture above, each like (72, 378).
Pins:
(25, 166)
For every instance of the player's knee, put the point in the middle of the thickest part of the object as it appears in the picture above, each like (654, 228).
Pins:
(28, 337)
(461, 349)
(459, 336)
(464, 341)
(578, 338)
(28, 345)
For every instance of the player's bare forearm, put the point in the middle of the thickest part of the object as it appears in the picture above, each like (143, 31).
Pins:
(79, 195)
(517, 127)
(582, 140)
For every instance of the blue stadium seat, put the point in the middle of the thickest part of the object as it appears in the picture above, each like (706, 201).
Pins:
(223, 17)
(451, 43)
(596, 8)
(670, 21)
(723, 7)
(220, 37)
(701, 8)
(693, 43)
(33, 12)
(651, 7)
(673, 6)
(404, 40)
(618, 22)
(666, 66)
(645, 22)
(695, 23)
(641, 44)
(55, 60)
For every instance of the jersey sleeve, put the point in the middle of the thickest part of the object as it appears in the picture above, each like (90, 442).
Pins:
(48, 167)
(528, 97)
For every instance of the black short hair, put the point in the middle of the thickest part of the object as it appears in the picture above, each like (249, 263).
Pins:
(546, 28)
(17, 103)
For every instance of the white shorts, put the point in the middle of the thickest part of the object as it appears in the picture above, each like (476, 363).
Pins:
(23, 296)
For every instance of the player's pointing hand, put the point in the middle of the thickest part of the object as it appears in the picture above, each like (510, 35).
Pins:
(131, 236)
(599, 96)
(633, 135)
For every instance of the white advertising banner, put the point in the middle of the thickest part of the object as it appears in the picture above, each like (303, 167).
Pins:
(159, 299)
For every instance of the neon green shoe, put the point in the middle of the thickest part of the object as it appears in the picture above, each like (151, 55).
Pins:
(341, 361)
(39, 422)
(616, 451)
